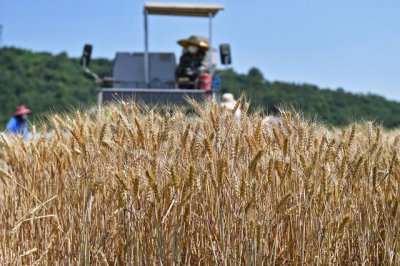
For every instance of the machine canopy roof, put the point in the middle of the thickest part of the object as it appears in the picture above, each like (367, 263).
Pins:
(182, 9)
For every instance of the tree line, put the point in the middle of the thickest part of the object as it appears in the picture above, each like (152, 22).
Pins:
(333, 107)
(53, 83)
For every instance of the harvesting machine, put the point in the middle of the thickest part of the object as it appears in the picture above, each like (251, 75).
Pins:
(149, 77)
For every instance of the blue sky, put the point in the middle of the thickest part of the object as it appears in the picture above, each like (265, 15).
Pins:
(351, 44)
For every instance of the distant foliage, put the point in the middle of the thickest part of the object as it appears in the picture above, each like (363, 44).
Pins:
(44, 82)
(47, 82)
(255, 74)
(335, 107)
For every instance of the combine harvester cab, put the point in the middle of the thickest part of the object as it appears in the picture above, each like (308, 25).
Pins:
(149, 77)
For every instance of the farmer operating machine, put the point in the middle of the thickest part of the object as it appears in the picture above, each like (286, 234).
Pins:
(153, 78)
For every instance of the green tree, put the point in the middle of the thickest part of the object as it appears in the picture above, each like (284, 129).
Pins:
(46, 82)
(256, 74)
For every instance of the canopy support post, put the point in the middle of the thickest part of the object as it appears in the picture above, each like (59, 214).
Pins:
(210, 42)
(146, 51)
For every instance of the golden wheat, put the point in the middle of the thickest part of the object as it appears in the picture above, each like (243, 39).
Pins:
(138, 187)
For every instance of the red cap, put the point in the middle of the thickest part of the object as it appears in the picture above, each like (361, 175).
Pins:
(22, 110)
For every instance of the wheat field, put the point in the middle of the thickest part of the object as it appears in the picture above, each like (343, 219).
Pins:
(138, 187)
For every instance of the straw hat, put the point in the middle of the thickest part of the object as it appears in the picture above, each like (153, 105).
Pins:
(228, 97)
(22, 110)
(200, 41)
(228, 101)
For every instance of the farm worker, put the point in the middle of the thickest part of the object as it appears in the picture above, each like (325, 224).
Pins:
(216, 83)
(228, 102)
(193, 61)
(18, 124)
(272, 121)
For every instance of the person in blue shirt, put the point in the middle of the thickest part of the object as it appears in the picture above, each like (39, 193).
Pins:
(18, 124)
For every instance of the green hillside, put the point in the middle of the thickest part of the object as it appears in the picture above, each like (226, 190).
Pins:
(47, 82)
(335, 107)
(44, 82)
